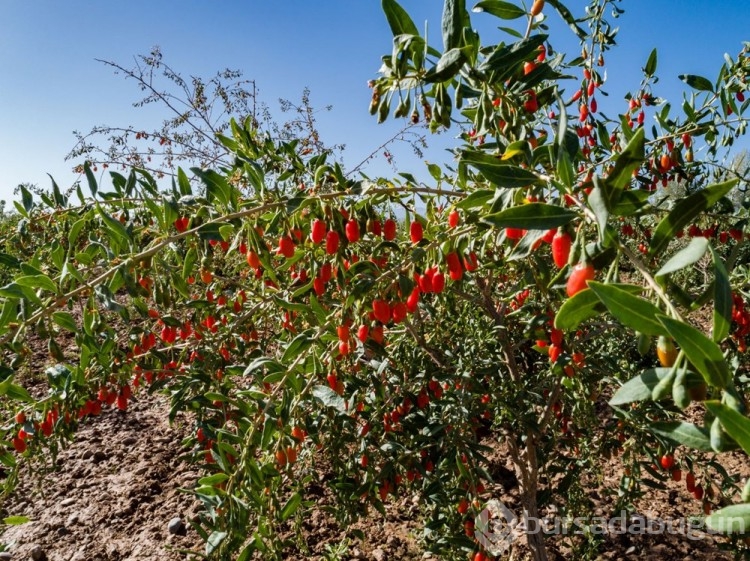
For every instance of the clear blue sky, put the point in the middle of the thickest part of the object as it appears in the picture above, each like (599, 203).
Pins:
(51, 85)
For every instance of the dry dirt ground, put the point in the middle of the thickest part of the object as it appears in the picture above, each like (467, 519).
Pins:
(118, 487)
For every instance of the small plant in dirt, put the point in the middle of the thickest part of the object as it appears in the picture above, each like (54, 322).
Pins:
(538, 296)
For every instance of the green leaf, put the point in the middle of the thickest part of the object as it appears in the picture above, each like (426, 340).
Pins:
(722, 299)
(26, 198)
(500, 9)
(297, 346)
(75, 230)
(447, 67)
(38, 281)
(629, 159)
(453, 23)
(290, 507)
(183, 182)
(15, 392)
(599, 206)
(631, 202)
(506, 59)
(329, 398)
(211, 231)
(735, 424)
(531, 216)
(90, 179)
(568, 17)
(565, 170)
(477, 199)
(687, 434)
(216, 184)
(16, 520)
(7, 260)
(214, 541)
(213, 480)
(65, 320)
(630, 310)
(498, 173)
(697, 82)
(398, 19)
(702, 352)
(689, 255)
(685, 211)
(642, 386)
(650, 68)
(115, 227)
(734, 519)
(584, 305)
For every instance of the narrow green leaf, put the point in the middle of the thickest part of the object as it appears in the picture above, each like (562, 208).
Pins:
(650, 68)
(477, 199)
(686, 257)
(398, 19)
(584, 305)
(642, 386)
(213, 480)
(506, 59)
(214, 541)
(599, 206)
(26, 198)
(499, 174)
(702, 352)
(629, 159)
(329, 398)
(697, 82)
(7, 260)
(447, 67)
(631, 202)
(297, 346)
(65, 320)
(38, 281)
(453, 23)
(561, 142)
(291, 506)
(217, 187)
(734, 519)
(500, 9)
(735, 424)
(90, 179)
(531, 216)
(115, 227)
(59, 199)
(75, 230)
(8, 312)
(680, 393)
(687, 434)
(191, 258)
(568, 17)
(16, 520)
(685, 211)
(247, 552)
(722, 299)
(565, 170)
(183, 182)
(15, 392)
(632, 311)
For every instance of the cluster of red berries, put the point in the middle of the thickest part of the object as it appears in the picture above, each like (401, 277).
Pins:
(667, 462)
(28, 429)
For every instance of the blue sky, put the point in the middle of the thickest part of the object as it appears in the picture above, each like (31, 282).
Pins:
(52, 85)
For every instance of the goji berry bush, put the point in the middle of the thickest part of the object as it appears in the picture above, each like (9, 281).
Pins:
(389, 331)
